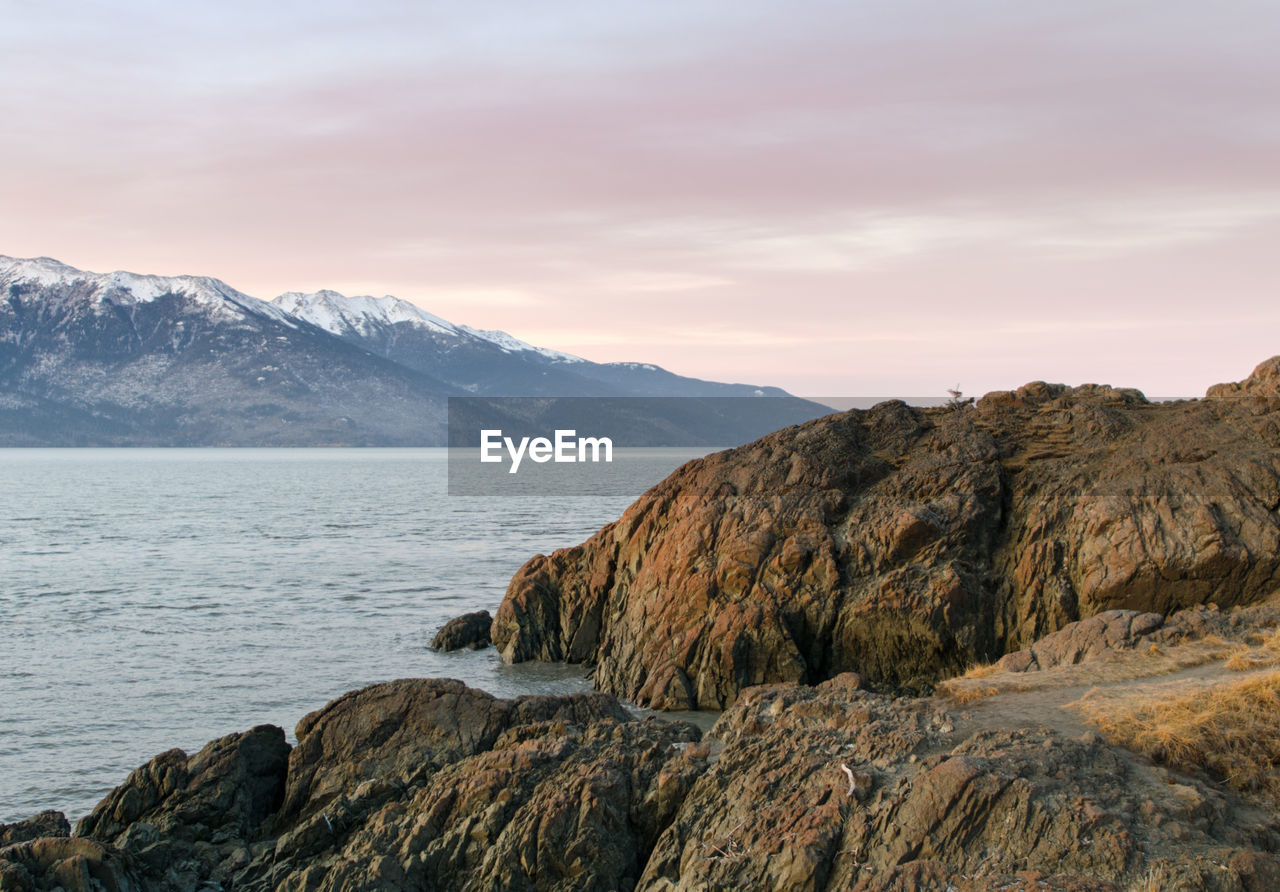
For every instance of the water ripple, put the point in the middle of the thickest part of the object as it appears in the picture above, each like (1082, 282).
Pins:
(161, 598)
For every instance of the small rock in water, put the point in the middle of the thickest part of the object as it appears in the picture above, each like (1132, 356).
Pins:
(469, 630)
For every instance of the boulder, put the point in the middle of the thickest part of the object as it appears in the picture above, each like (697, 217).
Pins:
(195, 816)
(471, 630)
(47, 823)
(60, 864)
(907, 544)
(423, 783)
(1088, 639)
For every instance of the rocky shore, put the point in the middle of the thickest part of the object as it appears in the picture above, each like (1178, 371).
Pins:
(907, 544)
(428, 784)
(1049, 546)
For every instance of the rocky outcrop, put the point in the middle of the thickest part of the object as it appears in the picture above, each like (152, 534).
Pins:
(1259, 393)
(191, 817)
(471, 630)
(431, 784)
(1118, 630)
(937, 804)
(421, 784)
(411, 784)
(1085, 640)
(70, 865)
(47, 823)
(906, 544)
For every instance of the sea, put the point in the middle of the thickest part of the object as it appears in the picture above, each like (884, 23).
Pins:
(160, 598)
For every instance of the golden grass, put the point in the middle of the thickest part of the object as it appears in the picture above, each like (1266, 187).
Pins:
(1262, 654)
(969, 693)
(1229, 728)
(1123, 665)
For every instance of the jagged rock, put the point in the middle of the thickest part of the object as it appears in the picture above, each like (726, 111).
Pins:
(429, 784)
(59, 864)
(1259, 393)
(1085, 640)
(195, 816)
(47, 823)
(773, 812)
(470, 630)
(399, 732)
(906, 544)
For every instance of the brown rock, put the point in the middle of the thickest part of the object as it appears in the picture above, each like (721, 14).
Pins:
(429, 784)
(1022, 808)
(1085, 640)
(47, 823)
(69, 865)
(396, 733)
(227, 789)
(906, 544)
(422, 784)
(471, 630)
(193, 814)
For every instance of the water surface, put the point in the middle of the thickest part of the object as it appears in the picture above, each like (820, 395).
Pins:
(153, 598)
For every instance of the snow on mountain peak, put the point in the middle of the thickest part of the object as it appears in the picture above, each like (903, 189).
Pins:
(339, 314)
(132, 288)
(329, 310)
(515, 345)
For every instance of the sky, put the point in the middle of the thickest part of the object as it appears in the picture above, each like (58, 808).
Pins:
(841, 198)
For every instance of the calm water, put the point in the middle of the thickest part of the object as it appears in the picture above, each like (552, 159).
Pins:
(159, 598)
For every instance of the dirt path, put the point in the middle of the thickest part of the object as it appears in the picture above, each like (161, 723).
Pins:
(1047, 705)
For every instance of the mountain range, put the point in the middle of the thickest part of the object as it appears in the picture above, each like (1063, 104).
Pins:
(126, 359)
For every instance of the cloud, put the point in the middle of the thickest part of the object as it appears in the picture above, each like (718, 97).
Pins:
(682, 178)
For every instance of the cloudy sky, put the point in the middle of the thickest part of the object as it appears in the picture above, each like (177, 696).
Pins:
(842, 198)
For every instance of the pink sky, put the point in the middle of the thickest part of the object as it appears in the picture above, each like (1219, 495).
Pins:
(841, 198)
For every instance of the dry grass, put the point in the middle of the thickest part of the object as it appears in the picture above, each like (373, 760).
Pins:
(967, 693)
(1123, 665)
(1262, 654)
(1229, 728)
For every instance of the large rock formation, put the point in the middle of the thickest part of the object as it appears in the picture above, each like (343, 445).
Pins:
(187, 817)
(429, 785)
(905, 544)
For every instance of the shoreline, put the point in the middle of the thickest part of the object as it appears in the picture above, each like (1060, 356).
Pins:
(793, 786)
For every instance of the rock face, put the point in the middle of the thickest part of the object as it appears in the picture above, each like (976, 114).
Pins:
(70, 865)
(431, 784)
(470, 630)
(421, 784)
(1081, 641)
(937, 805)
(905, 544)
(47, 823)
(190, 817)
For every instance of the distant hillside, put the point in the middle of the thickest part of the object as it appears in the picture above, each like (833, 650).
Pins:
(120, 359)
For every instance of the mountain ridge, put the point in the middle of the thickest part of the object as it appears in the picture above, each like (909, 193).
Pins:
(121, 358)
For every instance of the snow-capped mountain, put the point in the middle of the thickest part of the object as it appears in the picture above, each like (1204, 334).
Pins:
(117, 289)
(365, 316)
(119, 358)
(126, 359)
(488, 363)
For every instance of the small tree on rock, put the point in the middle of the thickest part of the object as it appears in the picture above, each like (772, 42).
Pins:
(958, 400)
